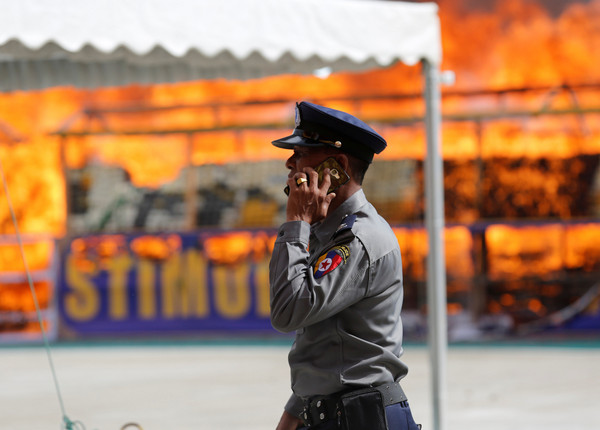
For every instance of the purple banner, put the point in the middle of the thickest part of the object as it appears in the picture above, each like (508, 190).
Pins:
(196, 282)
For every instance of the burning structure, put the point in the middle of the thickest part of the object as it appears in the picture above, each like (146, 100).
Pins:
(521, 146)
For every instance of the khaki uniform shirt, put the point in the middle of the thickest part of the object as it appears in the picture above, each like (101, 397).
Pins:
(338, 284)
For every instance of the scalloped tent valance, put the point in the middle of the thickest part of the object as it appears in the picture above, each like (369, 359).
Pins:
(90, 44)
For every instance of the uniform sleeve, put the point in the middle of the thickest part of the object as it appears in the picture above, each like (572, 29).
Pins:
(294, 406)
(304, 292)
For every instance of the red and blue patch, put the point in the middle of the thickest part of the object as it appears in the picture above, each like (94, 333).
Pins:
(331, 260)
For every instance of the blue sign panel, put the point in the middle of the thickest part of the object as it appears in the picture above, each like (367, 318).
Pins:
(196, 282)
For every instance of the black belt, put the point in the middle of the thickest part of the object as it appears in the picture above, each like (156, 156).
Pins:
(320, 409)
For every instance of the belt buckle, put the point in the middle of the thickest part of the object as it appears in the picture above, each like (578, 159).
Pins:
(315, 412)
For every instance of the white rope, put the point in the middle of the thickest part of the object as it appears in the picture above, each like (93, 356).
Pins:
(68, 424)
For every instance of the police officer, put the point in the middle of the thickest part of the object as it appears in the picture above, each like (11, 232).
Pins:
(336, 279)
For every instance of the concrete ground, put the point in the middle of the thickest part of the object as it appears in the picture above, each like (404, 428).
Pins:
(216, 386)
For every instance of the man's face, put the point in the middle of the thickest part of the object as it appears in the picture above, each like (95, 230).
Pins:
(305, 157)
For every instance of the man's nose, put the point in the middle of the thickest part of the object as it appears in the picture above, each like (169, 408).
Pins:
(290, 163)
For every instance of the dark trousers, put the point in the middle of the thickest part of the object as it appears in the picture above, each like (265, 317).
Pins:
(398, 417)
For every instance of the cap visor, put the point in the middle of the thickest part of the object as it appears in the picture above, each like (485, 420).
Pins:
(294, 140)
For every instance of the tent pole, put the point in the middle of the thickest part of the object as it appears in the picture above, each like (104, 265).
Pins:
(434, 223)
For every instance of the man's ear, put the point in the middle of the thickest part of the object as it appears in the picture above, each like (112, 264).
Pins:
(343, 161)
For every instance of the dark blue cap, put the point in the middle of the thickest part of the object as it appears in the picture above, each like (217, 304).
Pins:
(318, 126)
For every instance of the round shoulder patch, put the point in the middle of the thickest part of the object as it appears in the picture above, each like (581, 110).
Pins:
(331, 260)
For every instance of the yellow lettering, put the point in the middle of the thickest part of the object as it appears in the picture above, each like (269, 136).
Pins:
(82, 302)
(195, 284)
(118, 269)
(232, 293)
(145, 288)
(170, 280)
(263, 299)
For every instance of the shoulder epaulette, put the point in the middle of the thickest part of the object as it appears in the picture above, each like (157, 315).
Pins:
(344, 231)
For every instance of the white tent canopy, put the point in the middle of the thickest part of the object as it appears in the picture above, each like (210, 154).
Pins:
(90, 43)
(113, 42)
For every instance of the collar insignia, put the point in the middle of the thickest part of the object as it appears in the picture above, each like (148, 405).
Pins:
(347, 223)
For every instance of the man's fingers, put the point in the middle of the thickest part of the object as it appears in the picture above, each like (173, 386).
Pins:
(326, 180)
(313, 176)
(298, 180)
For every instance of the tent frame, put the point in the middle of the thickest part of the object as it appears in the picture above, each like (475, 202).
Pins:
(436, 266)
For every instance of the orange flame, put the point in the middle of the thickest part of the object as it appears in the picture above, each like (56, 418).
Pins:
(156, 247)
(557, 50)
(38, 255)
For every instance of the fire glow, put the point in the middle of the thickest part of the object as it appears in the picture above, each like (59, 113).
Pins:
(554, 52)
